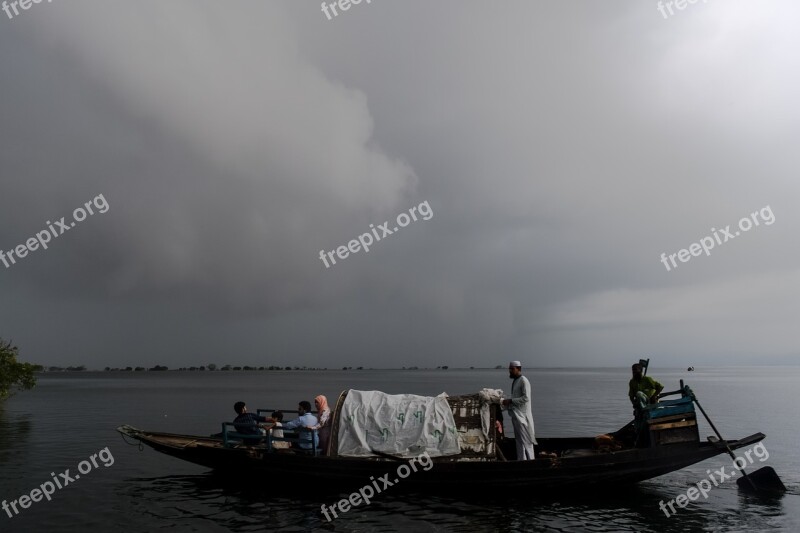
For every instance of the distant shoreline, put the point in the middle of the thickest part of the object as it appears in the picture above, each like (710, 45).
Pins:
(141, 370)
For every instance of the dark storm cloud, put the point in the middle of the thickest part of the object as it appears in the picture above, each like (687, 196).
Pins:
(562, 149)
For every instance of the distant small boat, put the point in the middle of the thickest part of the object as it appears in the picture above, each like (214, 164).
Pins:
(690, 369)
(667, 441)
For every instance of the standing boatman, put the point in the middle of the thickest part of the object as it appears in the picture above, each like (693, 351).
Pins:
(642, 390)
(519, 406)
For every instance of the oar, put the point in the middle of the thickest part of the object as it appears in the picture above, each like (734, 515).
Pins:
(767, 477)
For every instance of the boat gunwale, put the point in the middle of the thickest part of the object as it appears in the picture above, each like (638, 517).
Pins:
(163, 439)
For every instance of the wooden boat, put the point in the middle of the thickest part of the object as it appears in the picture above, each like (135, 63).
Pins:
(663, 440)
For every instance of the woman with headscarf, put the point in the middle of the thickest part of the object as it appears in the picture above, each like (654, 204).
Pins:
(324, 426)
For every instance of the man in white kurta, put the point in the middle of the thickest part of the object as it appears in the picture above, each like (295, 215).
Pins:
(519, 407)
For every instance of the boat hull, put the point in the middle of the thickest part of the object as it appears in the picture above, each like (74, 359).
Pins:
(348, 473)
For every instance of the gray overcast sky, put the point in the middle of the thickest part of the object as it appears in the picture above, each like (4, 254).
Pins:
(562, 147)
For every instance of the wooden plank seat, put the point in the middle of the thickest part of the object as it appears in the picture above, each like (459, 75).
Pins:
(667, 408)
(296, 439)
(231, 439)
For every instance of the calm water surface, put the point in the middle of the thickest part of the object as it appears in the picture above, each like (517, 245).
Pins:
(69, 417)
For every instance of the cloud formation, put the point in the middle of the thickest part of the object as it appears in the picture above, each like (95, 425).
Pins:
(562, 148)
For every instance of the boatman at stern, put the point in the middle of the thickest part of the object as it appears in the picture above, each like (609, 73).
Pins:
(519, 406)
(642, 390)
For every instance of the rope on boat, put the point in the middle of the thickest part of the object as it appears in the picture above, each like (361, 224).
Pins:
(137, 444)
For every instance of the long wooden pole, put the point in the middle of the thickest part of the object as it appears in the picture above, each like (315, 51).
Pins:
(730, 452)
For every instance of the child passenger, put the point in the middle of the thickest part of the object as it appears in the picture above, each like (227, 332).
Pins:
(277, 416)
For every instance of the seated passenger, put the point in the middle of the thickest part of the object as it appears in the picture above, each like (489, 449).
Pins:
(324, 426)
(304, 420)
(277, 418)
(643, 390)
(248, 423)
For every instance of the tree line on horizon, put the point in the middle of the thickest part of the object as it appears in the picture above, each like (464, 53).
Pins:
(212, 367)
(16, 376)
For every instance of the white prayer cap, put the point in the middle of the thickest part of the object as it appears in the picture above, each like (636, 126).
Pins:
(515, 363)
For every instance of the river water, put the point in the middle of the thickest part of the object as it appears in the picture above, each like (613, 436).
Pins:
(68, 418)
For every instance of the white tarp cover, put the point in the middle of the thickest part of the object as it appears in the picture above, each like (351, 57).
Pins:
(399, 424)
